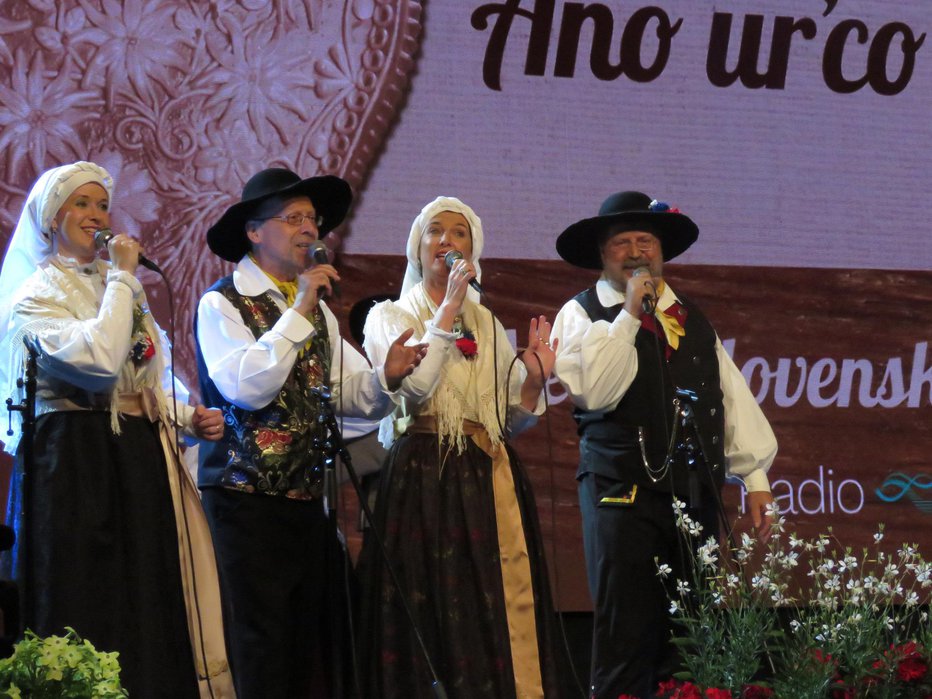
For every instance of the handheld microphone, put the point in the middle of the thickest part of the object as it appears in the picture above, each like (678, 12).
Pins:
(320, 255)
(103, 237)
(452, 257)
(648, 303)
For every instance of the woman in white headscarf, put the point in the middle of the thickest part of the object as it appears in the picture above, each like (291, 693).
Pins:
(112, 540)
(455, 508)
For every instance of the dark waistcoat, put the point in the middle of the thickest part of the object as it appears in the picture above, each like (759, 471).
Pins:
(276, 450)
(616, 443)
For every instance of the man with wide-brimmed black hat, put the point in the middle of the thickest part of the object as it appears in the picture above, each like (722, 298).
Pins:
(629, 347)
(265, 342)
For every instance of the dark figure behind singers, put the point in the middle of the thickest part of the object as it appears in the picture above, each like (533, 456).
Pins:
(110, 512)
(265, 340)
(455, 507)
(620, 365)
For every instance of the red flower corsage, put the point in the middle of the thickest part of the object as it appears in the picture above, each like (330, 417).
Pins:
(143, 350)
(467, 344)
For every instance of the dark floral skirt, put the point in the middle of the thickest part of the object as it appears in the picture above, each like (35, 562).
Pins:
(436, 513)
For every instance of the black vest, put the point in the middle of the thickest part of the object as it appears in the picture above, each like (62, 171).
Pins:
(615, 443)
(278, 449)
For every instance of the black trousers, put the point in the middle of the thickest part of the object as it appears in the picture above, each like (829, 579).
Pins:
(631, 648)
(283, 579)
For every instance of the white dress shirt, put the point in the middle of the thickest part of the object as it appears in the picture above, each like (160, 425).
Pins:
(597, 363)
(250, 372)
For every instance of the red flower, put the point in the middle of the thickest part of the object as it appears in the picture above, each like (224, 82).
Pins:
(714, 693)
(467, 346)
(688, 691)
(756, 691)
(912, 668)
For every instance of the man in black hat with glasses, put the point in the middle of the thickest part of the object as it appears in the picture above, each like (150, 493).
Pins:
(630, 351)
(266, 345)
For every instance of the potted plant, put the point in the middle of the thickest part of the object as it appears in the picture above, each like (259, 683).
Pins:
(60, 666)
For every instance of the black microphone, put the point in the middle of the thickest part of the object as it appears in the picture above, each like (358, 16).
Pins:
(452, 257)
(103, 237)
(319, 252)
(648, 303)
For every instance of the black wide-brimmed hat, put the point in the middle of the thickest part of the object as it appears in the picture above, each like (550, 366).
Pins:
(579, 244)
(330, 195)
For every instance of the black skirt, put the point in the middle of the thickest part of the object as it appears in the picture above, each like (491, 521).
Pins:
(440, 534)
(99, 540)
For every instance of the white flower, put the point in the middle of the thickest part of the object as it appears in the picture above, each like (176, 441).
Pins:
(707, 554)
(912, 599)
(674, 607)
(682, 587)
(878, 537)
(663, 570)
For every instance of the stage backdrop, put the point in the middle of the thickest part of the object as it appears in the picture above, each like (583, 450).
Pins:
(794, 132)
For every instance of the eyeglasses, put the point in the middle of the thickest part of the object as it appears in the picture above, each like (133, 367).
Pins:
(642, 244)
(297, 220)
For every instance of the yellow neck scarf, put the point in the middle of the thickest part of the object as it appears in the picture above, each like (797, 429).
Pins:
(672, 328)
(289, 289)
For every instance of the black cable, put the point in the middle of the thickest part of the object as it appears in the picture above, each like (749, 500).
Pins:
(347, 567)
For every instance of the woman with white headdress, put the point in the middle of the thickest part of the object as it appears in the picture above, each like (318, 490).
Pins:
(112, 540)
(455, 507)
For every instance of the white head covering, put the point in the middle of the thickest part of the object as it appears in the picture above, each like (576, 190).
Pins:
(30, 246)
(413, 273)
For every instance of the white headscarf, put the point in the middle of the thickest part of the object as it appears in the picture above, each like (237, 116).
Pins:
(413, 273)
(32, 245)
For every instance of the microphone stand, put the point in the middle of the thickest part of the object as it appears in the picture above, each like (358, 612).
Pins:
(336, 446)
(694, 453)
(28, 410)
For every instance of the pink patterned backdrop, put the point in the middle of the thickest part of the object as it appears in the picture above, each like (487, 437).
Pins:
(183, 100)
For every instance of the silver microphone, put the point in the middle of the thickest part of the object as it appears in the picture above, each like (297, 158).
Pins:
(648, 302)
(103, 237)
(452, 257)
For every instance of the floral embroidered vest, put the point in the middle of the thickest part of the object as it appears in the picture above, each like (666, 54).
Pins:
(278, 449)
